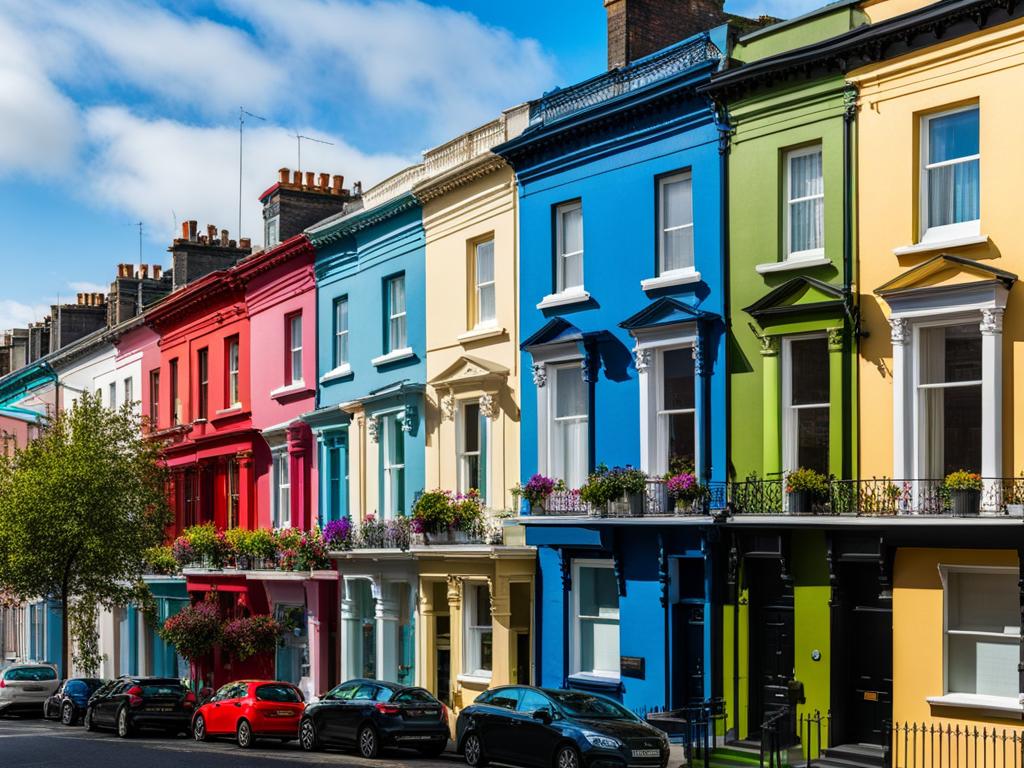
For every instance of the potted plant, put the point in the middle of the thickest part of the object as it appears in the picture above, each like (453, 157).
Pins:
(195, 629)
(686, 491)
(805, 490)
(338, 534)
(442, 517)
(536, 492)
(312, 552)
(616, 492)
(161, 561)
(964, 489)
(209, 545)
(250, 635)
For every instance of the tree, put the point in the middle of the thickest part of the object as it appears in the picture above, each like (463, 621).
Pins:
(79, 507)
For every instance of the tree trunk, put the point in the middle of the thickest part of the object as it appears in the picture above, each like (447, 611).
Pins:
(65, 641)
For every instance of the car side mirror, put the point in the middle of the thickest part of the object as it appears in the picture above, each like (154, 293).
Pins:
(544, 715)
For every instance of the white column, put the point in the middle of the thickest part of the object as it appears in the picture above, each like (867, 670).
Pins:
(642, 358)
(992, 404)
(347, 621)
(902, 412)
(540, 379)
(387, 634)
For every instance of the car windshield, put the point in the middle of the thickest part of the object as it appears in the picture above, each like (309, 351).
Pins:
(576, 704)
(280, 693)
(30, 674)
(414, 696)
(162, 689)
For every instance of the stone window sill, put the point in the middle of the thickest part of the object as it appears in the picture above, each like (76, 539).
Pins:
(670, 279)
(289, 389)
(480, 333)
(484, 680)
(236, 408)
(337, 373)
(791, 264)
(940, 245)
(1001, 705)
(563, 299)
(393, 357)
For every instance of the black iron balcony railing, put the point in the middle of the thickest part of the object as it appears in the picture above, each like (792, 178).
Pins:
(878, 497)
(656, 501)
(566, 101)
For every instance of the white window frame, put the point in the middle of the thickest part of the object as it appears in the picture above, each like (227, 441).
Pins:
(789, 447)
(549, 432)
(462, 455)
(341, 335)
(282, 517)
(810, 253)
(961, 229)
(663, 230)
(661, 414)
(390, 429)
(478, 287)
(920, 449)
(560, 253)
(474, 632)
(129, 389)
(272, 231)
(945, 570)
(232, 481)
(397, 317)
(575, 635)
(112, 395)
(234, 363)
(295, 347)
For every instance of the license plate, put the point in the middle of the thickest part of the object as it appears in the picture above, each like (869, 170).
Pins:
(285, 713)
(33, 688)
(158, 709)
(646, 753)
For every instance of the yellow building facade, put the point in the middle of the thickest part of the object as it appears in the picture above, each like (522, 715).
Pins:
(475, 599)
(940, 247)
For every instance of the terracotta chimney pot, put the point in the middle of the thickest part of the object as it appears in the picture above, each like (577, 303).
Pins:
(157, 269)
(184, 230)
(309, 179)
(323, 181)
(211, 232)
(224, 238)
(245, 243)
(297, 178)
(193, 228)
(144, 270)
(283, 175)
(338, 182)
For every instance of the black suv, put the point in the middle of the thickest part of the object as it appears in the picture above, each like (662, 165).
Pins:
(130, 703)
(565, 729)
(371, 714)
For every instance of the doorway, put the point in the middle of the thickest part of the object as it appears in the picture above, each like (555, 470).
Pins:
(771, 647)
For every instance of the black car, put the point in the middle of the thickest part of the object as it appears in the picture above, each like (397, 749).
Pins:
(565, 729)
(131, 703)
(371, 714)
(71, 699)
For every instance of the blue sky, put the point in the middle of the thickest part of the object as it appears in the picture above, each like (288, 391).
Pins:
(117, 112)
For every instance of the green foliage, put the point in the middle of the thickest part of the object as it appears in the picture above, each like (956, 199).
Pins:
(80, 506)
(808, 480)
(434, 508)
(83, 615)
(437, 510)
(209, 544)
(962, 480)
(195, 629)
(250, 635)
(160, 560)
(606, 485)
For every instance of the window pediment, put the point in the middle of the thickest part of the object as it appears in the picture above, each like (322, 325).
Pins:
(799, 296)
(468, 370)
(666, 311)
(947, 274)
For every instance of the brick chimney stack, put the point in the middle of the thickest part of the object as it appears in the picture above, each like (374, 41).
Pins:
(194, 255)
(638, 28)
(291, 206)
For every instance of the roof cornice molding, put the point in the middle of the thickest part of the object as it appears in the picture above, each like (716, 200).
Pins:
(361, 220)
(264, 261)
(477, 168)
(867, 44)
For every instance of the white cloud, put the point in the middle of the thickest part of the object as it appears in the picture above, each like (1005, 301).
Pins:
(153, 167)
(40, 123)
(14, 314)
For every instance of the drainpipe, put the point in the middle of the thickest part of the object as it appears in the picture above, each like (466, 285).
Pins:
(849, 304)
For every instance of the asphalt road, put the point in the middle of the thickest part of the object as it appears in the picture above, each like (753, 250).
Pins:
(38, 743)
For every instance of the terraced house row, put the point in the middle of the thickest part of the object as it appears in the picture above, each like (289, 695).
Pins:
(764, 268)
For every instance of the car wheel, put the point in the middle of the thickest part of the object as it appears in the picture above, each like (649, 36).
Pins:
(369, 746)
(68, 716)
(567, 757)
(87, 721)
(199, 728)
(243, 734)
(124, 728)
(473, 751)
(308, 738)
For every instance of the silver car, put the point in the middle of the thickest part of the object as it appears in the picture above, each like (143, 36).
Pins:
(25, 687)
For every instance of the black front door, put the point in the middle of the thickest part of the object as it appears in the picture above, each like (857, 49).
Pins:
(688, 660)
(867, 624)
(771, 648)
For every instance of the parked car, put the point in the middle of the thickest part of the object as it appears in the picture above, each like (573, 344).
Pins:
(371, 715)
(24, 687)
(69, 701)
(131, 703)
(527, 726)
(250, 710)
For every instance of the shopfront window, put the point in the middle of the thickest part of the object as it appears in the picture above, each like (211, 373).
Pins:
(479, 633)
(596, 619)
(982, 632)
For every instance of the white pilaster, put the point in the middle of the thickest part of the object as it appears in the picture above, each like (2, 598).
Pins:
(902, 410)
(387, 634)
(992, 403)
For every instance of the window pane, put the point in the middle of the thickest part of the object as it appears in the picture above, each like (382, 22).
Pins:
(486, 309)
(396, 297)
(570, 392)
(471, 428)
(296, 331)
(599, 645)
(951, 427)
(572, 271)
(482, 607)
(485, 262)
(341, 316)
(396, 333)
(678, 379)
(806, 225)
(812, 438)
(572, 230)
(953, 193)
(805, 179)
(599, 595)
(809, 371)
(984, 602)
(950, 353)
(953, 136)
(678, 245)
(569, 455)
(681, 439)
(677, 203)
(983, 665)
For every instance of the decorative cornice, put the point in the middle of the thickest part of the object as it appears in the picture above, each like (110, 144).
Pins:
(470, 171)
(265, 261)
(328, 233)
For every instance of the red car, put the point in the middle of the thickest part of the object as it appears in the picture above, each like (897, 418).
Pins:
(250, 710)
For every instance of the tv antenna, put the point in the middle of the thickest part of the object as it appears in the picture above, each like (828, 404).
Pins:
(298, 141)
(139, 225)
(242, 114)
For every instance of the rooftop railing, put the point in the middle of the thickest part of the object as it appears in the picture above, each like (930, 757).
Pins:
(672, 61)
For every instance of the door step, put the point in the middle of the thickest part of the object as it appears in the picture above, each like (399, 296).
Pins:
(740, 754)
(852, 756)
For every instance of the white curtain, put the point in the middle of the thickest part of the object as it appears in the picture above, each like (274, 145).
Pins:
(807, 202)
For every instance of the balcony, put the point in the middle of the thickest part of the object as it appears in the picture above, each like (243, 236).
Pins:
(654, 502)
(655, 68)
(877, 497)
(402, 534)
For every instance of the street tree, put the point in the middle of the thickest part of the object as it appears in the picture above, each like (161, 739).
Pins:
(79, 507)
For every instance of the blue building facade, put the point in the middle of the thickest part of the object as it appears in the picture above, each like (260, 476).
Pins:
(622, 300)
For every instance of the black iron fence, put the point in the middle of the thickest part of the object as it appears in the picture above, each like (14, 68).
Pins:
(937, 745)
(695, 726)
(776, 738)
(814, 730)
